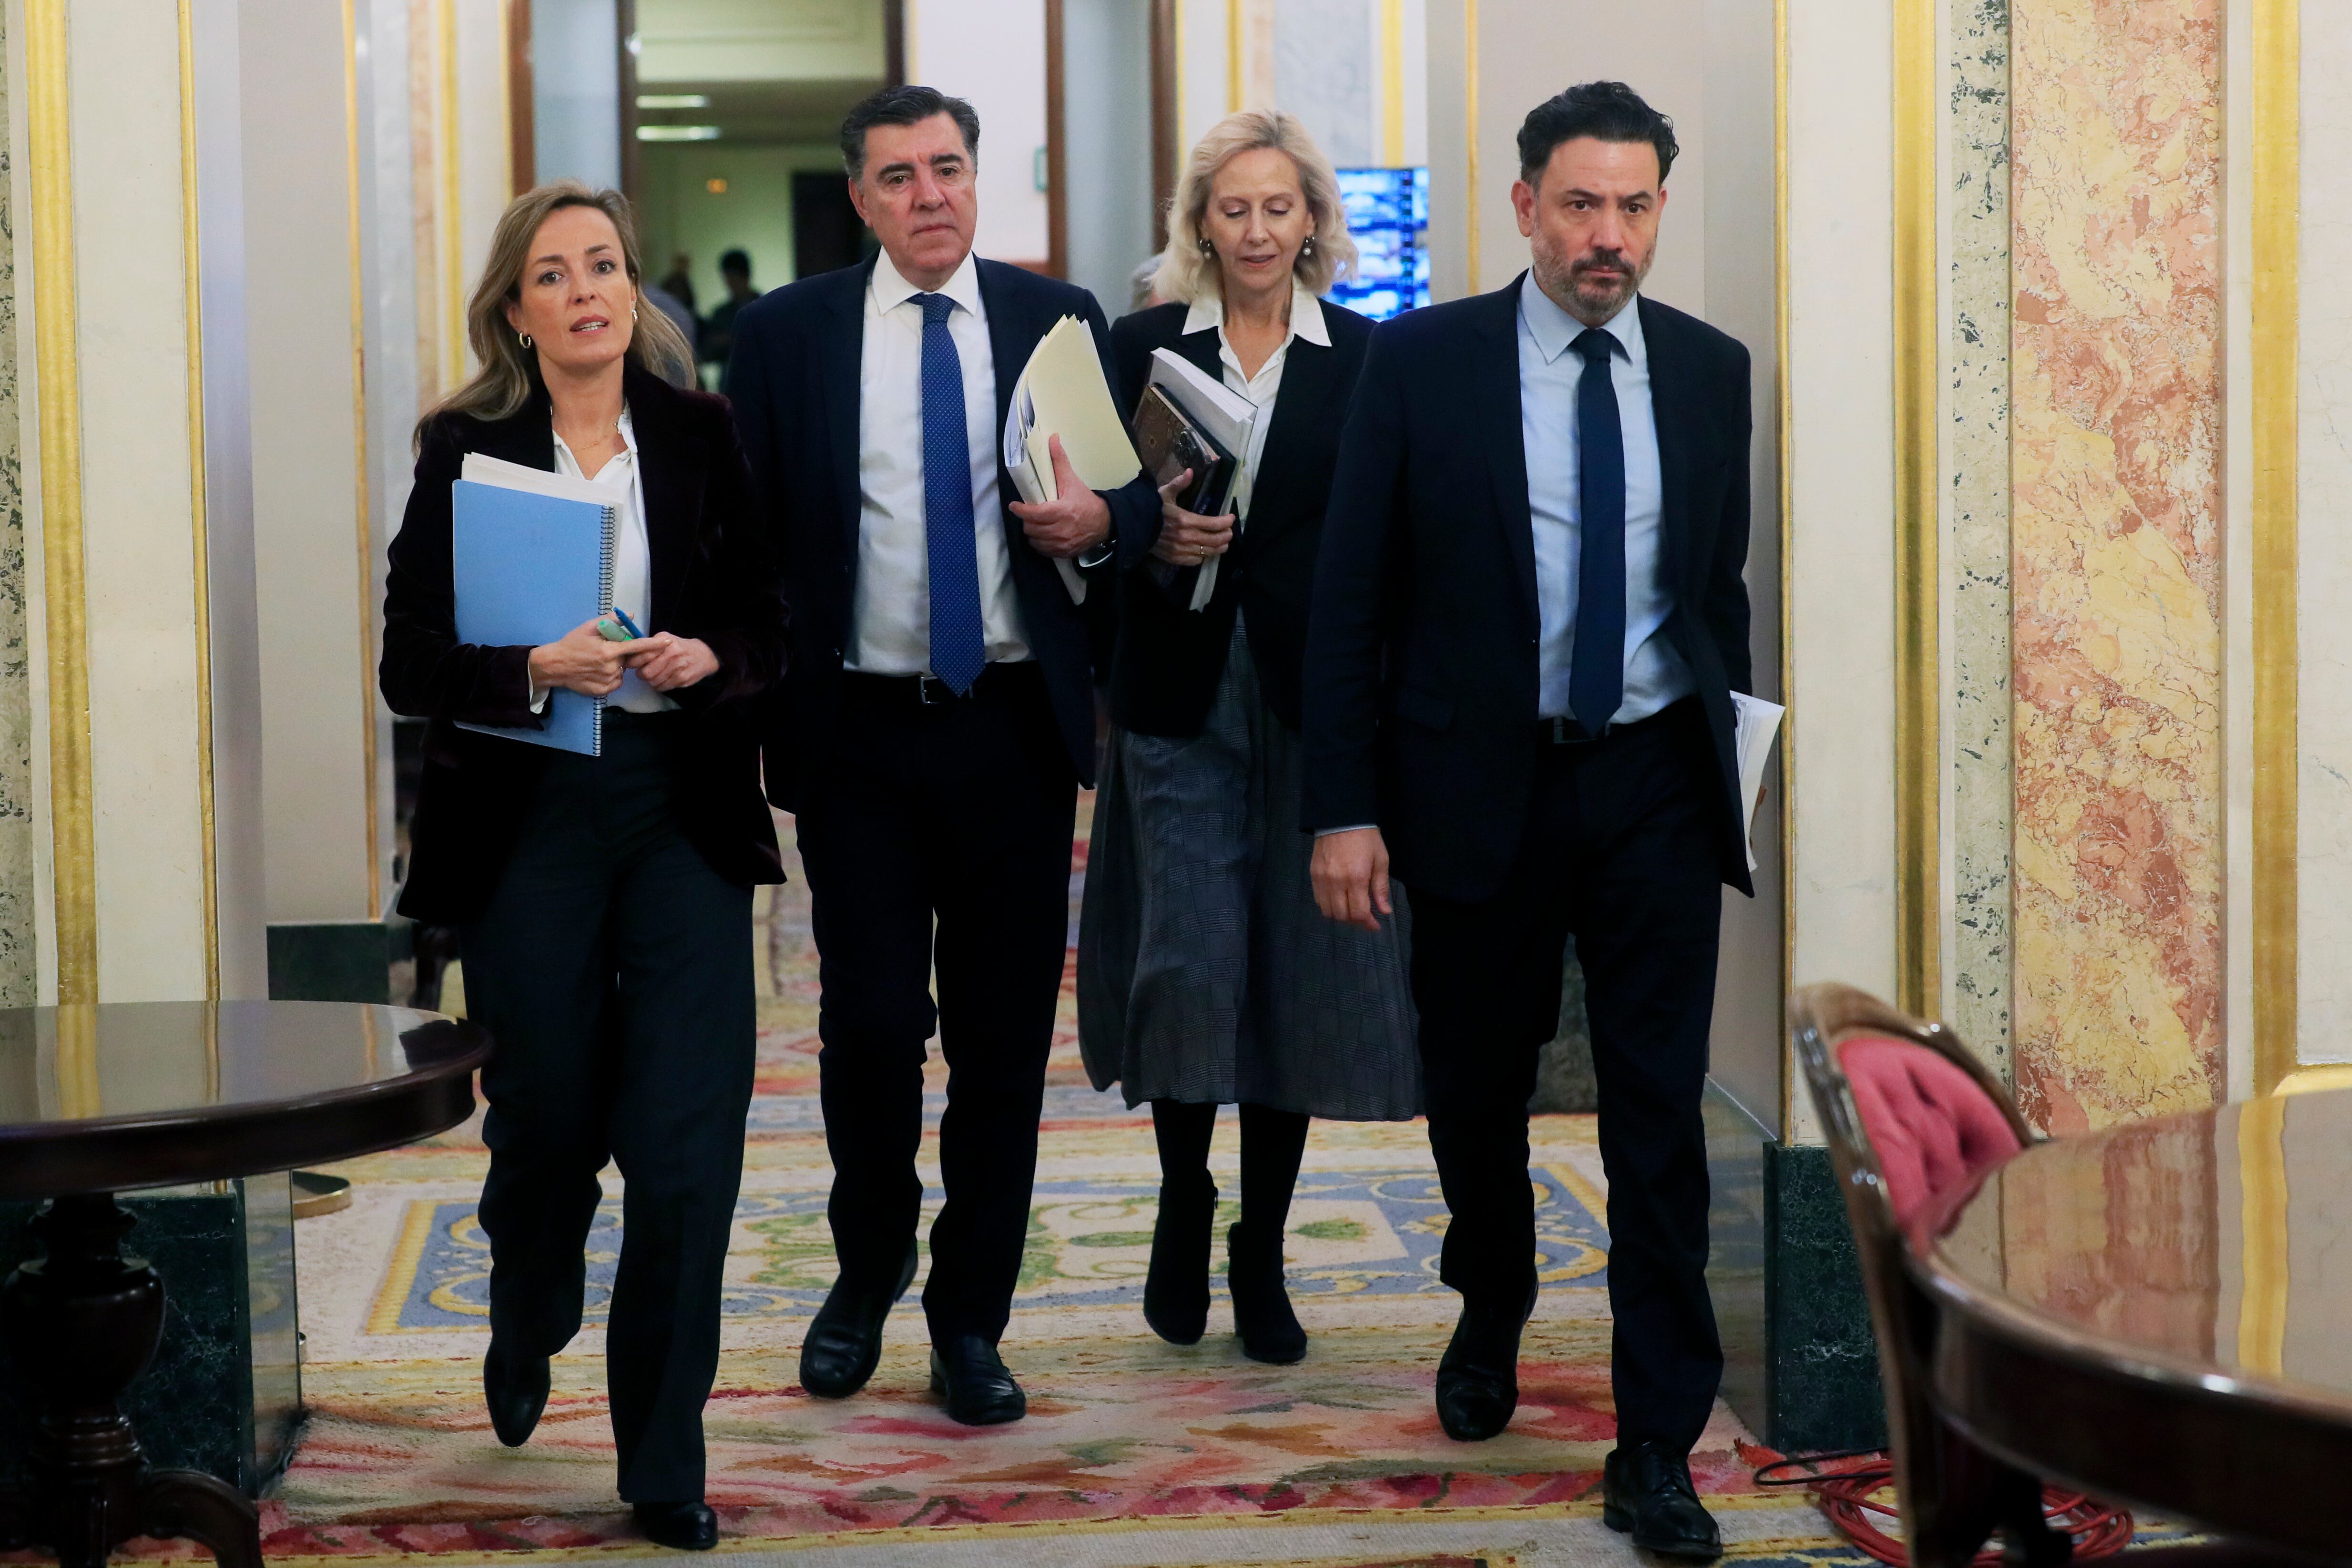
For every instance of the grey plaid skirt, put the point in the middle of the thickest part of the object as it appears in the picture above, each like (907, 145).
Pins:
(1205, 972)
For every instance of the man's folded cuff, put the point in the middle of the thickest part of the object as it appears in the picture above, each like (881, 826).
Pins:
(1359, 828)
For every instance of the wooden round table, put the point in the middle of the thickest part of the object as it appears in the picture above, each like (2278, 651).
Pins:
(2161, 1312)
(100, 1100)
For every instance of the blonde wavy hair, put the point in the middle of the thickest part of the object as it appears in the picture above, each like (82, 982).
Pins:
(1187, 274)
(510, 372)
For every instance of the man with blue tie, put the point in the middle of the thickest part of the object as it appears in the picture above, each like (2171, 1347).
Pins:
(1528, 620)
(934, 724)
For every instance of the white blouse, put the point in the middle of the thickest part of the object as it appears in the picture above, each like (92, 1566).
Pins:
(632, 561)
(1262, 389)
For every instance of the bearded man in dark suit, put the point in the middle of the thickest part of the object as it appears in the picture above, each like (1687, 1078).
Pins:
(1529, 622)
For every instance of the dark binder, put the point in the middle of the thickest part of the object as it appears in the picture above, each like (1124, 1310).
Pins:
(1171, 441)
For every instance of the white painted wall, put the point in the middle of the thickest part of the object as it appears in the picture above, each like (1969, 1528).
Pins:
(1106, 134)
(2324, 480)
(576, 89)
(763, 40)
(313, 594)
(993, 55)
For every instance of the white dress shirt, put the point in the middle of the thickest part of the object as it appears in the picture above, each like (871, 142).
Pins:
(890, 632)
(1654, 673)
(633, 559)
(1306, 321)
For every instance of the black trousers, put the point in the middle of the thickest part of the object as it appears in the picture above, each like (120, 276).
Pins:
(939, 840)
(1620, 852)
(612, 967)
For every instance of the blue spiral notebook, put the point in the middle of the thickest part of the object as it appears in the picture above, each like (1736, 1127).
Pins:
(531, 557)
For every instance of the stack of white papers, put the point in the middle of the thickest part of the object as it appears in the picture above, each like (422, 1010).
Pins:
(1755, 723)
(1062, 392)
(1217, 409)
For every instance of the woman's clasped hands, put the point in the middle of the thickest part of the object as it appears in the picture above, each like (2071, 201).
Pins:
(1186, 537)
(584, 660)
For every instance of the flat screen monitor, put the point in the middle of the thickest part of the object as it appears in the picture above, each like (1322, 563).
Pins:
(1388, 218)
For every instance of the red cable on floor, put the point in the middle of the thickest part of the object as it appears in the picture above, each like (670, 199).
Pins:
(1849, 1500)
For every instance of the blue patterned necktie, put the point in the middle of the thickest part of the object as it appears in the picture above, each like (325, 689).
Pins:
(1596, 671)
(958, 652)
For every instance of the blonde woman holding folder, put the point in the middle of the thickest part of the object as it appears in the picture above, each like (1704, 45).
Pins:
(1205, 975)
(603, 900)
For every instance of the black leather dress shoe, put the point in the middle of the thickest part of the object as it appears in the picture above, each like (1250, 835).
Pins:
(980, 1390)
(845, 1338)
(1646, 1492)
(1478, 1379)
(681, 1526)
(515, 1388)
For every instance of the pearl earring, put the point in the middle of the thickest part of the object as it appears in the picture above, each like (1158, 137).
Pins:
(1208, 249)
(1308, 248)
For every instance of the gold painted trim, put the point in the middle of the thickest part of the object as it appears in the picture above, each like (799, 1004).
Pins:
(2262, 1195)
(1233, 52)
(1393, 82)
(192, 264)
(2275, 243)
(1918, 730)
(73, 840)
(1470, 112)
(2324, 1076)
(362, 506)
(453, 249)
(1785, 436)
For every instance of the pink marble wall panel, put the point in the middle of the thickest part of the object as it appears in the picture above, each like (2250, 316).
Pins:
(2116, 650)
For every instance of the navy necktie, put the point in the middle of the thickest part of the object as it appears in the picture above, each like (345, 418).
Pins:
(1596, 671)
(958, 650)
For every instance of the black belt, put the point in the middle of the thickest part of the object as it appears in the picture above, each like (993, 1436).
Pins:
(1566, 731)
(930, 691)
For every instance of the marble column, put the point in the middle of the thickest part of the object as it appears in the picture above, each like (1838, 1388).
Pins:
(2116, 556)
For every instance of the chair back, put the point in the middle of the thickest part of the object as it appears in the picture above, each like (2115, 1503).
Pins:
(1907, 1113)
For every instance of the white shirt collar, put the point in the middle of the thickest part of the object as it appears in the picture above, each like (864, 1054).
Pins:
(627, 454)
(1305, 316)
(1554, 329)
(889, 290)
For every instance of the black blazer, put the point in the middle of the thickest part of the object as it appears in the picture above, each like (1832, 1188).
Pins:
(1421, 653)
(713, 578)
(794, 380)
(1168, 659)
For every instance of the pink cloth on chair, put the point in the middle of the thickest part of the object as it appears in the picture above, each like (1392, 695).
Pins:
(1931, 1124)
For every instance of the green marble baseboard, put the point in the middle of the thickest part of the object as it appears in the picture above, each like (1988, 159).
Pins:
(331, 961)
(1801, 1366)
(224, 1392)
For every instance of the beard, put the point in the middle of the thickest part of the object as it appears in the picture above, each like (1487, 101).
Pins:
(1594, 287)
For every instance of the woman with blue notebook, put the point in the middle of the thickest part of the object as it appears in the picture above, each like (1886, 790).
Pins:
(578, 603)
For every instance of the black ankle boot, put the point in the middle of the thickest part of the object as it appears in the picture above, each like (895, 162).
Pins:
(1176, 1291)
(1261, 1314)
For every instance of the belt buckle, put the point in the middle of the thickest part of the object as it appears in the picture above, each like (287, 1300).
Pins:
(1564, 732)
(930, 692)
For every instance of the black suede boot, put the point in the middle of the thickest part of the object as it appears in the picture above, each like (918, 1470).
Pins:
(1176, 1291)
(1261, 1314)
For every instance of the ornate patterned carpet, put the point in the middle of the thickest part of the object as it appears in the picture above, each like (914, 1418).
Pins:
(1134, 1452)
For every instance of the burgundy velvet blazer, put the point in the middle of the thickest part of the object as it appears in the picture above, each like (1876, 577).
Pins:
(713, 578)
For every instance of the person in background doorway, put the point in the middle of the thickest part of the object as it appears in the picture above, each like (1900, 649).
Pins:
(933, 733)
(1205, 976)
(1529, 620)
(678, 281)
(603, 902)
(1143, 285)
(681, 316)
(718, 340)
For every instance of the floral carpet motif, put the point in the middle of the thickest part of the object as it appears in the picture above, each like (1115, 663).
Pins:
(1135, 1452)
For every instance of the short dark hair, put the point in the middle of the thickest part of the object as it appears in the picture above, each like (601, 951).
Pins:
(907, 105)
(735, 261)
(1609, 111)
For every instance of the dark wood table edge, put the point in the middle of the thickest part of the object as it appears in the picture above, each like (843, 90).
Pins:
(93, 1486)
(2231, 1451)
(125, 1153)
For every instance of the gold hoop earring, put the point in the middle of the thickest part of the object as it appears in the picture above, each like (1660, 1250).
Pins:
(526, 339)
